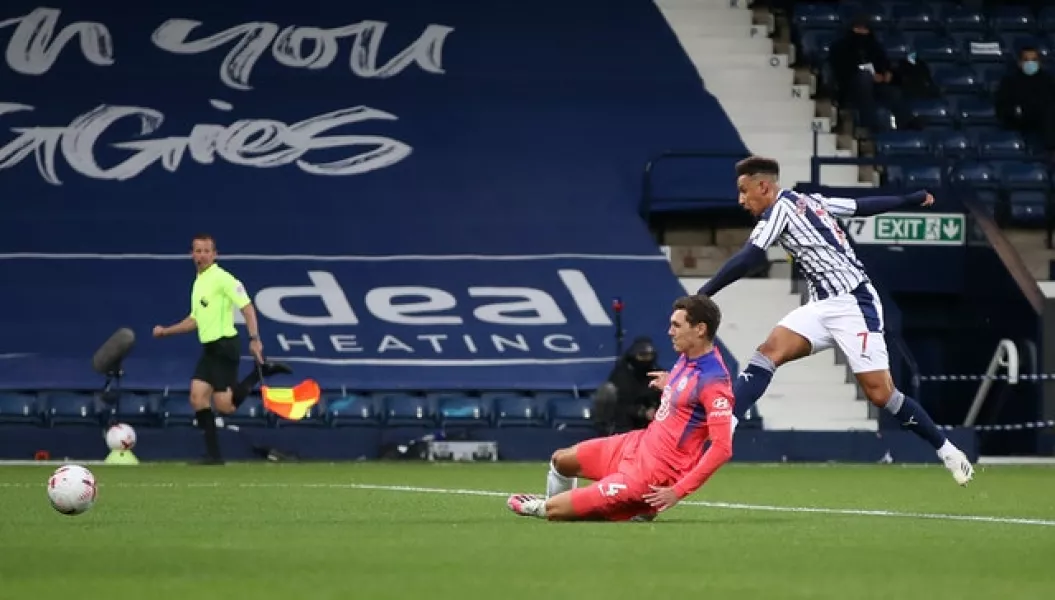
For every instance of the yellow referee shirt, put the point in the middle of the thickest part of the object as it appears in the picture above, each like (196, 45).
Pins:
(215, 295)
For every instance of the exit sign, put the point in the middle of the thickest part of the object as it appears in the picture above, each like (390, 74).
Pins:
(941, 229)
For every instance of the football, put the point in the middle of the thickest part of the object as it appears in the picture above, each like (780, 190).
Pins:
(71, 490)
(121, 437)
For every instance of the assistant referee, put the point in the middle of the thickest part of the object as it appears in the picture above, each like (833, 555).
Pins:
(214, 296)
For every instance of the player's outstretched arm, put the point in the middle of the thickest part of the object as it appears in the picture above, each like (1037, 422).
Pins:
(753, 255)
(745, 261)
(876, 205)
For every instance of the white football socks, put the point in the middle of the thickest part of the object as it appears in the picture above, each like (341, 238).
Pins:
(557, 483)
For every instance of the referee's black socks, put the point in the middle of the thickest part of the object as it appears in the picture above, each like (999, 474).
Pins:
(207, 422)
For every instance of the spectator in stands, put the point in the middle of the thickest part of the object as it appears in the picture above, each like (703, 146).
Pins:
(626, 401)
(862, 73)
(912, 80)
(1025, 100)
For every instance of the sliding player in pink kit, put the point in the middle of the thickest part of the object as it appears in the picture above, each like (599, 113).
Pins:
(640, 473)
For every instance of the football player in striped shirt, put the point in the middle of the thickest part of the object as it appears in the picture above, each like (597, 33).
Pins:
(843, 310)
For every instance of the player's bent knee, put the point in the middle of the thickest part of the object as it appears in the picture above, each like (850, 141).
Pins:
(565, 462)
(878, 386)
(200, 395)
(784, 345)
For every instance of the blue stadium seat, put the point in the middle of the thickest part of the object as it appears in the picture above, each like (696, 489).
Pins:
(1046, 19)
(912, 17)
(990, 201)
(971, 112)
(991, 74)
(352, 410)
(519, 410)
(462, 410)
(137, 410)
(953, 144)
(406, 409)
(20, 408)
(1025, 176)
(816, 16)
(814, 46)
(960, 19)
(175, 410)
(878, 17)
(894, 44)
(250, 414)
(935, 49)
(1028, 207)
(571, 412)
(902, 143)
(957, 79)
(1001, 145)
(932, 112)
(1014, 41)
(921, 177)
(71, 408)
(973, 174)
(1011, 18)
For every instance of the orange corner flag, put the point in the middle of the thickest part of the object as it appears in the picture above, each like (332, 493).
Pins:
(291, 403)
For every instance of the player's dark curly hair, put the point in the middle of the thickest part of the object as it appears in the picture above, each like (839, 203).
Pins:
(701, 309)
(758, 165)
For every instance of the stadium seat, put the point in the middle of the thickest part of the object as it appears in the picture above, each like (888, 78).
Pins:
(971, 112)
(71, 408)
(462, 410)
(1024, 176)
(814, 46)
(990, 201)
(519, 410)
(1011, 18)
(1028, 207)
(175, 410)
(894, 44)
(932, 112)
(20, 408)
(1013, 42)
(957, 79)
(954, 144)
(571, 412)
(816, 16)
(935, 49)
(921, 177)
(406, 409)
(973, 174)
(352, 410)
(964, 20)
(1046, 19)
(910, 17)
(902, 143)
(995, 145)
(137, 410)
(250, 414)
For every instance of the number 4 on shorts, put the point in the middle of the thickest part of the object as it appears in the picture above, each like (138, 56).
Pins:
(611, 489)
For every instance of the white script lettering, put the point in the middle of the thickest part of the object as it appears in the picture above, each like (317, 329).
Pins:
(261, 143)
(288, 47)
(33, 47)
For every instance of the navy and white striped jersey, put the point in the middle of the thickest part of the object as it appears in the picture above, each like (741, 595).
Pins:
(805, 226)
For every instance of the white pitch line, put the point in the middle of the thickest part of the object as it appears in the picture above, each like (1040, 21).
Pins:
(496, 494)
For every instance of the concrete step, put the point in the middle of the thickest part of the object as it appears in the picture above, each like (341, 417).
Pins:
(707, 45)
(735, 59)
(731, 17)
(818, 425)
(769, 144)
(761, 78)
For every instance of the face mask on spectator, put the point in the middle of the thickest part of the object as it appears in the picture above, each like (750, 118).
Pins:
(1030, 67)
(911, 58)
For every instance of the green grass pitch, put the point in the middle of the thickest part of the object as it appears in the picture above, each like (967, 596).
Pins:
(375, 531)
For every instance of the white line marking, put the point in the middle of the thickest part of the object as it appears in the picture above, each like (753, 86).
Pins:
(496, 494)
(333, 258)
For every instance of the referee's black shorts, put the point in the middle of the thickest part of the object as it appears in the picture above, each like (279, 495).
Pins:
(218, 365)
